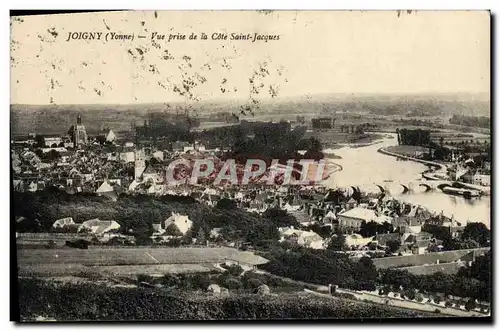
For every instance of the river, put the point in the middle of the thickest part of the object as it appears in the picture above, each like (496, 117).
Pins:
(365, 167)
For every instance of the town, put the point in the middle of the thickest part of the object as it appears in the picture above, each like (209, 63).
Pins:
(54, 174)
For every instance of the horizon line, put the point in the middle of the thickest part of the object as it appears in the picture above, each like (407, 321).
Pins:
(286, 98)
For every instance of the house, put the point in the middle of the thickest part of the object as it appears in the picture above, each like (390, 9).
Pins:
(99, 227)
(110, 137)
(353, 218)
(383, 238)
(107, 190)
(151, 173)
(159, 155)
(302, 238)
(63, 222)
(357, 240)
(383, 219)
(408, 224)
(179, 146)
(417, 243)
(182, 222)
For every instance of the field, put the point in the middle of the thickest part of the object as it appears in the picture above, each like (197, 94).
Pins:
(126, 261)
(53, 270)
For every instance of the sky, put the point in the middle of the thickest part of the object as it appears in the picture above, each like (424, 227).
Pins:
(328, 52)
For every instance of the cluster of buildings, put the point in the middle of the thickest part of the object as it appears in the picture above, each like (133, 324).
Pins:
(108, 166)
(468, 171)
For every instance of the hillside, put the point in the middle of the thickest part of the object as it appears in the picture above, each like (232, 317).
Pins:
(98, 302)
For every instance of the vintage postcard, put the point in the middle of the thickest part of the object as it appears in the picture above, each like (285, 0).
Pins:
(251, 165)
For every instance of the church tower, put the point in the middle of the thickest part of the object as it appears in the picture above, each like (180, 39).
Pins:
(80, 133)
(140, 163)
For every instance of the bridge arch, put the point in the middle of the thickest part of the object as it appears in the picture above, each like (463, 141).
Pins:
(427, 187)
(381, 188)
(406, 188)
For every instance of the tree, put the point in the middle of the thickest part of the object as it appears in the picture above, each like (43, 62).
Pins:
(226, 204)
(232, 283)
(253, 283)
(173, 230)
(234, 270)
(200, 238)
(337, 243)
(411, 293)
(393, 245)
(280, 218)
(478, 232)
(471, 304)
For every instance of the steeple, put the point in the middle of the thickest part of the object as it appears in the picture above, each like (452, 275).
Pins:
(79, 120)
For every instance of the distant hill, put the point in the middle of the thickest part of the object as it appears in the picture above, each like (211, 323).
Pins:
(56, 119)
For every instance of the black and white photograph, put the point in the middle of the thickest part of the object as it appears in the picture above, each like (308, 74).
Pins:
(271, 165)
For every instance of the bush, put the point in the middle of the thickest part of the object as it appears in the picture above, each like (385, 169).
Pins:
(145, 278)
(470, 305)
(448, 303)
(170, 280)
(234, 269)
(437, 311)
(411, 294)
(76, 302)
(232, 283)
(51, 244)
(253, 283)
(419, 297)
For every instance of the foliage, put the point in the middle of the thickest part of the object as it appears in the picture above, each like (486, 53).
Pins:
(470, 305)
(231, 283)
(329, 268)
(411, 294)
(337, 243)
(478, 232)
(370, 229)
(136, 215)
(225, 203)
(416, 137)
(469, 282)
(233, 269)
(393, 245)
(253, 283)
(173, 230)
(76, 302)
(474, 121)
(280, 217)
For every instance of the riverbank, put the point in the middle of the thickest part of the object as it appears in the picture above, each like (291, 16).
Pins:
(386, 151)
(430, 174)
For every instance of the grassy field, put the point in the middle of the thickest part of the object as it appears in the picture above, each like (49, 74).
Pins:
(133, 256)
(54, 270)
(407, 149)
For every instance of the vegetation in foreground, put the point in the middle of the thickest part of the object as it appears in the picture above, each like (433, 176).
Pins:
(75, 302)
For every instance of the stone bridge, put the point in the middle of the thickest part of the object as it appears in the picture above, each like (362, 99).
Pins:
(413, 186)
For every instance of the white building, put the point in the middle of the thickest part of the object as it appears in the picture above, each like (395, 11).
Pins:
(99, 227)
(182, 222)
(354, 217)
